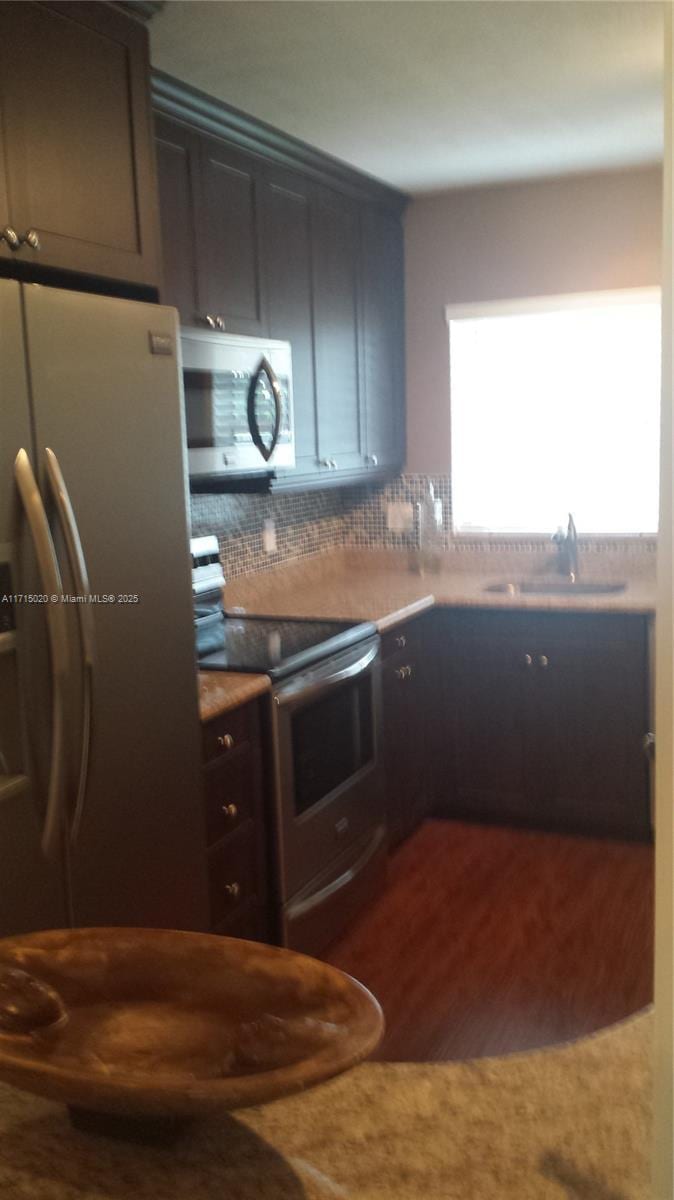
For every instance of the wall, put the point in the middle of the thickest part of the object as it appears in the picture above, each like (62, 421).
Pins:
(546, 237)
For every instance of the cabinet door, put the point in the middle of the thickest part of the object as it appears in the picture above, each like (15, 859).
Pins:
(488, 682)
(5, 251)
(382, 338)
(177, 165)
(287, 260)
(335, 259)
(79, 138)
(590, 719)
(228, 241)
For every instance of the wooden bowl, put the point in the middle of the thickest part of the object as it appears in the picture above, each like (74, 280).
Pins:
(168, 1024)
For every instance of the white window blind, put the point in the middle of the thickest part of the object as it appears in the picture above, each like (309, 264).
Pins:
(555, 409)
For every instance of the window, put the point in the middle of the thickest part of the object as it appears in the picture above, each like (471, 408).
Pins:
(555, 408)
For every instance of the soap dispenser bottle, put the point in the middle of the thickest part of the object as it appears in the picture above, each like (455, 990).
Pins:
(431, 542)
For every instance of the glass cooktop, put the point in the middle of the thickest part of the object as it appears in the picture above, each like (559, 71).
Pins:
(271, 646)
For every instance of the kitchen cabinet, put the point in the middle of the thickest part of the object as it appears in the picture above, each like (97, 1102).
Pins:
(545, 716)
(210, 224)
(335, 259)
(276, 251)
(287, 258)
(178, 174)
(410, 683)
(235, 824)
(383, 338)
(78, 153)
(228, 238)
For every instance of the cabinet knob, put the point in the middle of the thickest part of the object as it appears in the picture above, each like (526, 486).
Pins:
(401, 641)
(10, 236)
(233, 890)
(226, 741)
(230, 811)
(403, 672)
(372, 460)
(211, 321)
(325, 462)
(648, 746)
(220, 323)
(543, 660)
(333, 464)
(528, 660)
(31, 238)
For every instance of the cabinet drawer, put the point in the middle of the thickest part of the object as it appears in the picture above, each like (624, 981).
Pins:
(231, 793)
(227, 733)
(232, 874)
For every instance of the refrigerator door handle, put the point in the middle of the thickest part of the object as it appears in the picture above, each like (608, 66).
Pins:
(78, 567)
(57, 632)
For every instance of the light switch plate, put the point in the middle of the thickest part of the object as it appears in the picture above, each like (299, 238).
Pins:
(399, 517)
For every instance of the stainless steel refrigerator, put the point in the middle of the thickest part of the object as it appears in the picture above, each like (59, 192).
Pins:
(100, 805)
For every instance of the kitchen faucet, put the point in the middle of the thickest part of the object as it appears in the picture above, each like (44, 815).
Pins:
(567, 545)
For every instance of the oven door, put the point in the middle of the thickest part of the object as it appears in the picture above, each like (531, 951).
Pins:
(328, 783)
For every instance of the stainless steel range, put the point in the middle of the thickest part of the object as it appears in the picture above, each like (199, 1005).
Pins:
(329, 824)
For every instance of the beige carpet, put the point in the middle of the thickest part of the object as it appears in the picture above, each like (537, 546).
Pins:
(571, 1123)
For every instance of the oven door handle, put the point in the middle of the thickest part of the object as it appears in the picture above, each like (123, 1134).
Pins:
(304, 690)
(300, 908)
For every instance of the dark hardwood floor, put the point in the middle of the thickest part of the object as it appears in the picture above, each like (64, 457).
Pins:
(490, 940)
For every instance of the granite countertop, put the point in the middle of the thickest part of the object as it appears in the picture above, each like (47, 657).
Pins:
(571, 1121)
(380, 587)
(221, 691)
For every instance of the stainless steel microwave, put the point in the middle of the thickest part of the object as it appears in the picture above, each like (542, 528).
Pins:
(238, 405)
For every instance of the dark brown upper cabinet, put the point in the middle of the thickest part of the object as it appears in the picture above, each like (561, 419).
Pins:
(211, 213)
(74, 82)
(264, 236)
(336, 323)
(287, 258)
(178, 177)
(383, 337)
(228, 238)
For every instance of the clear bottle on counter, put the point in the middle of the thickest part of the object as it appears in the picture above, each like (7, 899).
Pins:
(430, 532)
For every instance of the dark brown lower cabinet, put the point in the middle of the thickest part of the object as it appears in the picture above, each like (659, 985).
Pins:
(545, 715)
(410, 685)
(235, 825)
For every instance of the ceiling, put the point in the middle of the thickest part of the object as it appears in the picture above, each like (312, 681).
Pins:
(433, 94)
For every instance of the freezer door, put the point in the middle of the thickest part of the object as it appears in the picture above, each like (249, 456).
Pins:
(106, 402)
(31, 888)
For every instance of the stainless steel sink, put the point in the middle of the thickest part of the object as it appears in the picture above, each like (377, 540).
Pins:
(556, 587)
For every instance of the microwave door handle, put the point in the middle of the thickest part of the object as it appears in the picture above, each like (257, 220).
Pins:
(278, 409)
(78, 568)
(300, 692)
(57, 633)
(264, 368)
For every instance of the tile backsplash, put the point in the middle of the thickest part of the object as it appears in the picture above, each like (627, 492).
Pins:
(309, 523)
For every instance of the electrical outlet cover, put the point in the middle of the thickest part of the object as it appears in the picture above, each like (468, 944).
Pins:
(399, 517)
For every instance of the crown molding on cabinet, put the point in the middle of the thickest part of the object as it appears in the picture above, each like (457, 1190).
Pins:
(185, 103)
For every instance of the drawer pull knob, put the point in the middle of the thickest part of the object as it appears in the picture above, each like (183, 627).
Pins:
(403, 672)
(528, 660)
(31, 238)
(233, 890)
(543, 660)
(10, 236)
(401, 641)
(226, 741)
(230, 811)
